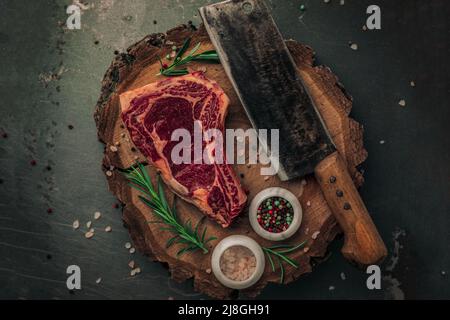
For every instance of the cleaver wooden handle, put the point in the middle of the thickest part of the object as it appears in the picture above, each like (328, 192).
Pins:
(363, 244)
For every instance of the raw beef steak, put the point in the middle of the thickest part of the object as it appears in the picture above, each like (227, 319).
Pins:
(151, 113)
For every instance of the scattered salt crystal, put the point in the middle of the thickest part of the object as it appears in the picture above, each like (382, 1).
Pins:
(98, 280)
(326, 1)
(331, 288)
(382, 142)
(89, 234)
(342, 2)
(208, 271)
(402, 103)
(113, 148)
(89, 224)
(315, 234)
(135, 271)
(364, 27)
(412, 84)
(306, 249)
(117, 143)
(354, 46)
(108, 229)
(443, 273)
(131, 264)
(132, 250)
(76, 224)
(97, 215)
(343, 277)
(127, 245)
(308, 204)
(109, 173)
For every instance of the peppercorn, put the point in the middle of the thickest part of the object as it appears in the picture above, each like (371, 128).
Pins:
(275, 214)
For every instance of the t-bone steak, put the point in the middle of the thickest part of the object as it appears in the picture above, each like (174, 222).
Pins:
(151, 113)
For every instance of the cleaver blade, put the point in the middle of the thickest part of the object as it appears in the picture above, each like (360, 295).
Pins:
(263, 73)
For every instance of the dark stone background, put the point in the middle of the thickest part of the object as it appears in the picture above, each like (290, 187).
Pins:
(50, 78)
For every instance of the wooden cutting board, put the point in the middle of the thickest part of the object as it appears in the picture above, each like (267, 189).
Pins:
(138, 67)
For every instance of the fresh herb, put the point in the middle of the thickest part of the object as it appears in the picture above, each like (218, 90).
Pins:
(173, 70)
(278, 253)
(184, 234)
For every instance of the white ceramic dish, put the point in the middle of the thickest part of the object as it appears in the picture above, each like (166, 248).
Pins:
(238, 240)
(275, 192)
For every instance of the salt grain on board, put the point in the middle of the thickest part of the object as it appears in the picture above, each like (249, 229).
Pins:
(98, 280)
(113, 148)
(315, 234)
(97, 215)
(88, 224)
(76, 224)
(343, 277)
(131, 264)
(127, 245)
(402, 103)
(354, 46)
(132, 250)
(109, 173)
(108, 229)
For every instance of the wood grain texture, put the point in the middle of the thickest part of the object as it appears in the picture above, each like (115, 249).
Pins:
(138, 67)
(363, 245)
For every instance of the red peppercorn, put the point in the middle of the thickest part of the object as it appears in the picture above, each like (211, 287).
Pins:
(115, 205)
(49, 210)
(165, 66)
(33, 162)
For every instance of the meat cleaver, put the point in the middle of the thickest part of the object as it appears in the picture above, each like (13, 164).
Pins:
(263, 73)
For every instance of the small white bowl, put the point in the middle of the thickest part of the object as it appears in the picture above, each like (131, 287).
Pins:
(269, 193)
(238, 240)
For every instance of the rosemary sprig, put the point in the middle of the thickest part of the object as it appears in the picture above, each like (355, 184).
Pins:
(185, 234)
(274, 252)
(172, 70)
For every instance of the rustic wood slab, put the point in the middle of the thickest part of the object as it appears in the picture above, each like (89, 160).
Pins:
(138, 67)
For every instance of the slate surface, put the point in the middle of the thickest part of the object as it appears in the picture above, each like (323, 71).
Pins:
(50, 79)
